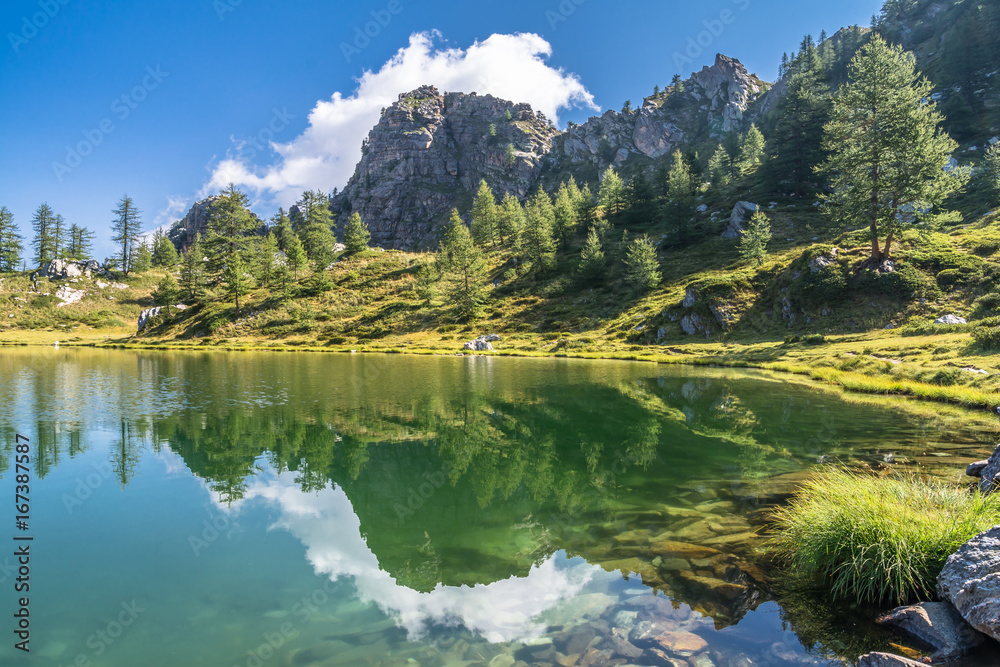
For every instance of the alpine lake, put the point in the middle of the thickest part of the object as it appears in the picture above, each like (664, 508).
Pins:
(303, 510)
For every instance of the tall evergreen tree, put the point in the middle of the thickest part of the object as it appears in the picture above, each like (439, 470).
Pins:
(484, 217)
(59, 234)
(642, 267)
(43, 243)
(356, 234)
(193, 270)
(992, 166)
(143, 259)
(536, 242)
(753, 242)
(11, 242)
(640, 199)
(592, 260)
(510, 221)
(317, 228)
(282, 226)
(887, 150)
(81, 243)
(296, 254)
(238, 280)
(266, 260)
(679, 210)
(125, 229)
(164, 251)
(230, 232)
(465, 269)
(611, 196)
(751, 151)
(566, 214)
(719, 168)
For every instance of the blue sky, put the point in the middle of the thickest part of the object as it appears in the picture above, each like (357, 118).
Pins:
(165, 101)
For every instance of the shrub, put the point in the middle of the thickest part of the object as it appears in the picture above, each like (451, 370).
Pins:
(879, 539)
(987, 333)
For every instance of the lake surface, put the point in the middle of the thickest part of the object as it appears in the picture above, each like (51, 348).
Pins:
(294, 509)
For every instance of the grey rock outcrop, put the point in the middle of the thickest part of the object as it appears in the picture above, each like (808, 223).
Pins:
(482, 344)
(147, 315)
(887, 660)
(69, 295)
(60, 269)
(989, 475)
(950, 319)
(428, 150)
(970, 580)
(741, 214)
(975, 469)
(822, 262)
(937, 625)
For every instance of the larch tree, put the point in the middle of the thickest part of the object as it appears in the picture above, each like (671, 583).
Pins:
(888, 152)
(485, 217)
(536, 242)
(510, 221)
(642, 267)
(465, 269)
(356, 234)
(611, 196)
(566, 214)
(317, 228)
(754, 240)
(125, 229)
(679, 210)
(230, 232)
(193, 270)
(11, 242)
(44, 241)
(164, 251)
(751, 151)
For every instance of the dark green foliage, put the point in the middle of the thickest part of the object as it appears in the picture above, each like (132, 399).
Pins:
(125, 229)
(356, 235)
(987, 333)
(167, 292)
(642, 267)
(164, 252)
(81, 243)
(193, 271)
(143, 259)
(11, 246)
(44, 242)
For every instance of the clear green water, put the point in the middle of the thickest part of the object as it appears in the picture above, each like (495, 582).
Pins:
(303, 510)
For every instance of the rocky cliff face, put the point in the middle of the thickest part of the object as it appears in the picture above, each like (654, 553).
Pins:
(427, 155)
(182, 232)
(429, 151)
(714, 102)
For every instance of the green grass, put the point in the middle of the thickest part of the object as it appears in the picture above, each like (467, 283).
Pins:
(878, 539)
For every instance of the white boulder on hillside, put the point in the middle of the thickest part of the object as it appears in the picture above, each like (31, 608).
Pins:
(741, 215)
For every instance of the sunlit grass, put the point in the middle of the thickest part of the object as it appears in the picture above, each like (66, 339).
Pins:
(878, 539)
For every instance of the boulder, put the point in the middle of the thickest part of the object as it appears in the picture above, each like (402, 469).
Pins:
(935, 624)
(976, 469)
(820, 263)
(690, 297)
(482, 344)
(741, 214)
(990, 473)
(950, 319)
(61, 269)
(887, 660)
(145, 315)
(69, 295)
(693, 325)
(970, 580)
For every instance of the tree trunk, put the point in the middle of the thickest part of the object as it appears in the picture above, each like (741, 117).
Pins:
(888, 246)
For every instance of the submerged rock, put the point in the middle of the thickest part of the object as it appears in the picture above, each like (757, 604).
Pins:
(970, 580)
(935, 624)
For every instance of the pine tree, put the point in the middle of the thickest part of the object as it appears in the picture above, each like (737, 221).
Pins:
(167, 293)
(719, 167)
(11, 242)
(753, 242)
(536, 243)
(992, 166)
(510, 221)
(592, 261)
(640, 200)
(266, 260)
(356, 234)
(125, 229)
(59, 232)
(566, 215)
(193, 270)
(296, 254)
(164, 251)
(642, 268)
(230, 232)
(81, 243)
(143, 259)
(796, 147)
(585, 205)
(317, 228)
(611, 196)
(283, 230)
(44, 243)
(465, 269)
(751, 151)
(484, 217)
(679, 210)
(887, 149)
(238, 280)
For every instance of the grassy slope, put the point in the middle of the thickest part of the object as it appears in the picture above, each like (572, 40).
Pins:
(373, 307)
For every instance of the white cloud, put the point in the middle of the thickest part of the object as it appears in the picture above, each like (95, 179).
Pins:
(511, 67)
(507, 610)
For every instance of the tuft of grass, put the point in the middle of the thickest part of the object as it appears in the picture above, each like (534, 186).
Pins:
(878, 539)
